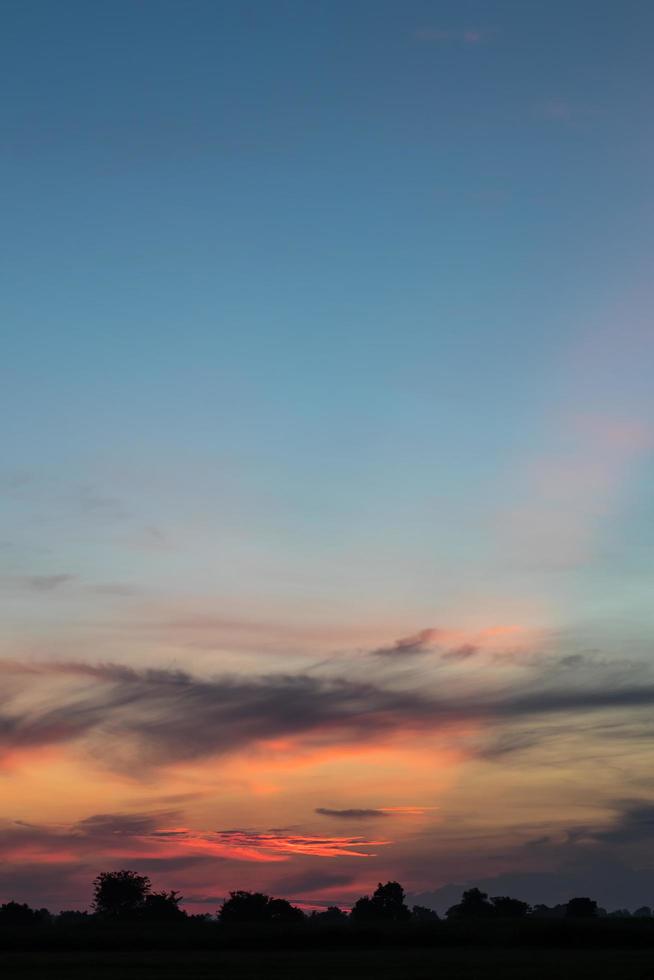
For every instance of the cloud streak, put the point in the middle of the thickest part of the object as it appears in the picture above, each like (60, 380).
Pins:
(351, 814)
(158, 717)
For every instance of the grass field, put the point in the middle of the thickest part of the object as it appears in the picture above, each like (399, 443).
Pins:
(450, 964)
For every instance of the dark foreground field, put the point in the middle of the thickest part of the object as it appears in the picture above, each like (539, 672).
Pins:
(449, 964)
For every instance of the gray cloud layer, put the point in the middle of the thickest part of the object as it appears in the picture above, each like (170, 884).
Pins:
(154, 717)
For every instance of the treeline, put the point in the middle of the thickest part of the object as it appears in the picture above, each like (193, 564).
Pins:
(127, 913)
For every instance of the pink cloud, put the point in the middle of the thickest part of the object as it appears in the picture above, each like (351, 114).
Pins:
(599, 432)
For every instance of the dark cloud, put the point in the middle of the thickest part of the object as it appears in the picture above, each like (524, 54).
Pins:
(105, 825)
(416, 643)
(45, 583)
(155, 865)
(215, 900)
(464, 652)
(156, 717)
(169, 716)
(88, 834)
(309, 881)
(91, 845)
(610, 882)
(633, 825)
(350, 814)
(53, 886)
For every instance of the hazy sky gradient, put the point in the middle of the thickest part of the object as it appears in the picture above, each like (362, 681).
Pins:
(327, 428)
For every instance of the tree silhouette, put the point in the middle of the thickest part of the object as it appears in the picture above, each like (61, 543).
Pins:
(255, 907)
(419, 913)
(331, 916)
(124, 899)
(282, 911)
(387, 904)
(19, 914)
(120, 894)
(510, 908)
(581, 908)
(474, 904)
(162, 907)
(243, 906)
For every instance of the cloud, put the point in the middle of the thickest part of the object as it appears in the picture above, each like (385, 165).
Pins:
(162, 717)
(76, 852)
(463, 652)
(310, 881)
(158, 716)
(634, 824)
(453, 644)
(275, 843)
(420, 642)
(350, 814)
(611, 863)
(43, 583)
(108, 825)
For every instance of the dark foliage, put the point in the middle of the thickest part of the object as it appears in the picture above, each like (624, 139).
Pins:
(256, 908)
(127, 914)
(474, 904)
(421, 914)
(510, 908)
(386, 905)
(581, 908)
(162, 907)
(120, 894)
(15, 914)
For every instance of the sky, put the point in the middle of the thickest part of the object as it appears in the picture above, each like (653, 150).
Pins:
(327, 427)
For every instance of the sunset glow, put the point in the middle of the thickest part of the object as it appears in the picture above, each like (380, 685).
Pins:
(328, 450)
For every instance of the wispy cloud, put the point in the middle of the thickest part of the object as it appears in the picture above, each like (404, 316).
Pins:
(40, 583)
(275, 843)
(160, 718)
(416, 643)
(351, 813)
